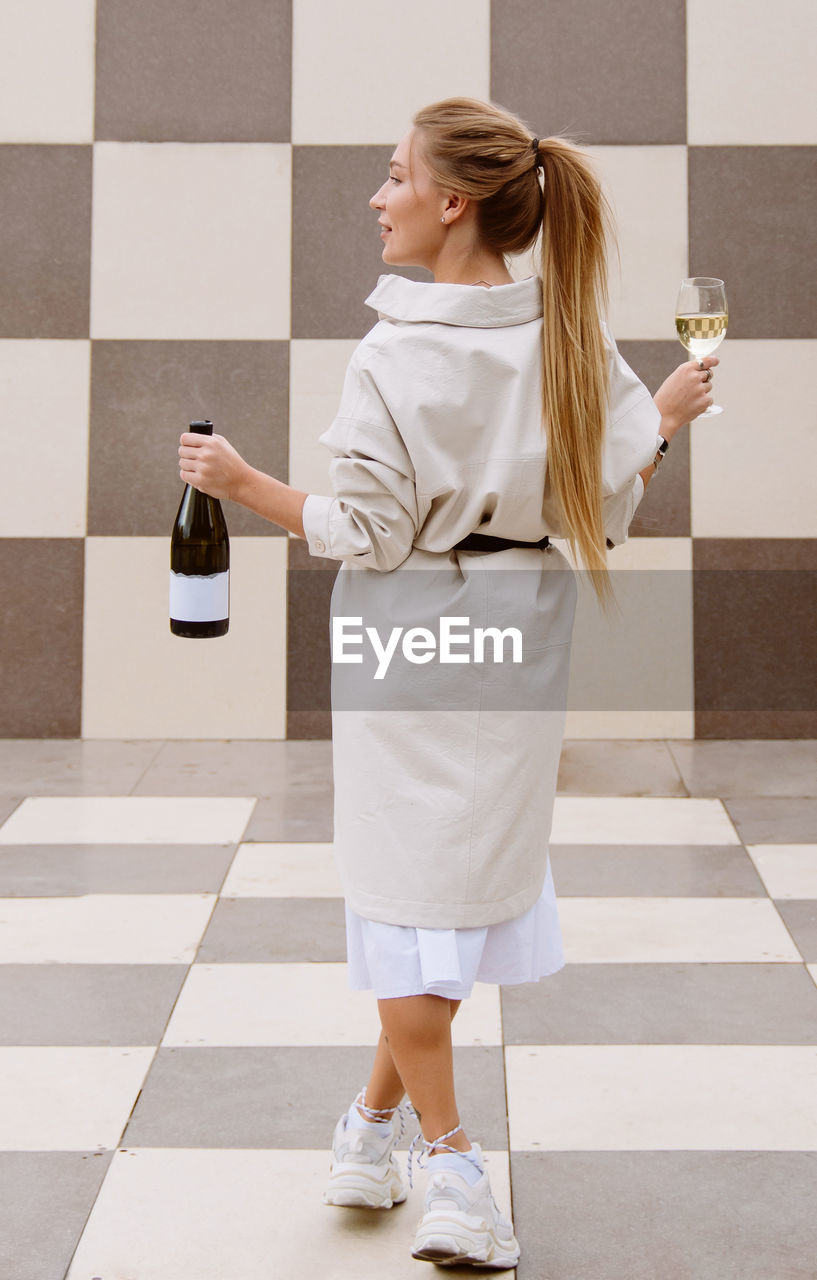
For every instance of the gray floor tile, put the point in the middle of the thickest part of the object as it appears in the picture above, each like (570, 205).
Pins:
(45, 1199)
(288, 1097)
(265, 930)
(774, 820)
(618, 769)
(681, 1215)
(800, 918)
(70, 767)
(7, 806)
(238, 768)
(683, 871)
(81, 1004)
(664, 1004)
(302, 815)
(66, 870)
(750, 768)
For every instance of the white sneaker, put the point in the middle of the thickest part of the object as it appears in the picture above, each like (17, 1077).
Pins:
(462, 1224)
(364, 1173)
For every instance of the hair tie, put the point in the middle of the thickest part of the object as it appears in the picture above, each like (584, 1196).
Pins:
(535, 147)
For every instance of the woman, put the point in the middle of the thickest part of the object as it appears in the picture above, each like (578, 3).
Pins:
(479, 418)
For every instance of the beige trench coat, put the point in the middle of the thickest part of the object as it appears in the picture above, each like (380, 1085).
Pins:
(445, 775)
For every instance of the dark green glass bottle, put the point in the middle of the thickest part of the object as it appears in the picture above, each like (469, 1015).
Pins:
(199, 563)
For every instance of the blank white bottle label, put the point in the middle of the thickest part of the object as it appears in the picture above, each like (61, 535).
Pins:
(199, 599)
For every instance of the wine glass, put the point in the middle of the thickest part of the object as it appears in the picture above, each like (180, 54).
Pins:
(701, 316)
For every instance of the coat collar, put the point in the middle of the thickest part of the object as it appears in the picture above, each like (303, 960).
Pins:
(396, 298)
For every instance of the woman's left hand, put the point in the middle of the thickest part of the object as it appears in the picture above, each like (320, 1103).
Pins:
(211, 464)
(685, 394)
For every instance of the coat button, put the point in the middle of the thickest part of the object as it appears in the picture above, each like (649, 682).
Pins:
(320, 545)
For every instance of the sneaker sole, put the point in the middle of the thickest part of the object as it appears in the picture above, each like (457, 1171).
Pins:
(350, 1187)
(450, 1243)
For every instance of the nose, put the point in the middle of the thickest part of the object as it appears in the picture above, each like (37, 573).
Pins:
(377, 201)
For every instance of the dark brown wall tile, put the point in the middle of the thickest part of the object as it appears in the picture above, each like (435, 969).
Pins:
(664, 510)
(755, 602)
(41, 606)
(309, 661)
(752, 223)
(45, 251)
(144, 395)
(193, 71)
(603, 73)
(336, 245)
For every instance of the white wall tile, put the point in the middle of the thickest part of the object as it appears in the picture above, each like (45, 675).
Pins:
(647, 188)
(751, 475)
(140, 681)
(316, 372)
(47, 71)
(44, 437)
(361, 69)
(750, 72)
(630, 724)
(191, 240)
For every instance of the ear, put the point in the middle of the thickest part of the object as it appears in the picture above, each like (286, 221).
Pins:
(455, 207)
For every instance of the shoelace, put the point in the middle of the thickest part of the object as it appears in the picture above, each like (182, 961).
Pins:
(440, 1143)
(383, 1113)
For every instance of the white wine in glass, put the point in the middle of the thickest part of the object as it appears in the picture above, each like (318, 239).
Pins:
(701, 317)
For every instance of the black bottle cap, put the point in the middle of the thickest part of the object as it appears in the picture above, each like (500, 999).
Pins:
(202, 427)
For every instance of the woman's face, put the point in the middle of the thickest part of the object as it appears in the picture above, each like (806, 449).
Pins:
(411, 206)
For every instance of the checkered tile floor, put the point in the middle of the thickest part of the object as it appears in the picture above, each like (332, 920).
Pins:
(178, 1039)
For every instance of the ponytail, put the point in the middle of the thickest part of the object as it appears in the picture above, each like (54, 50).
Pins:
(486, 153)
(574, 359)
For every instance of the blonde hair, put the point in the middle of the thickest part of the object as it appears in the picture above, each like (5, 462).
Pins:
(479, 150)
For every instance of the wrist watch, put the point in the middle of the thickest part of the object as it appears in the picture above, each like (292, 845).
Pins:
(663, 445)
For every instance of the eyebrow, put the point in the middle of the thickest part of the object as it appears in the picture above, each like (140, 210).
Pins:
(395, 164)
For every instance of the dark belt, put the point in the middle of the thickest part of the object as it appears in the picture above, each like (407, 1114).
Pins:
(485, 542)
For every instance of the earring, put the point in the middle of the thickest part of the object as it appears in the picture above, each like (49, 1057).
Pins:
(442, 219)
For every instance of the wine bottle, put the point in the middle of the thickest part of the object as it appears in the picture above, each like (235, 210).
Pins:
(199, 562)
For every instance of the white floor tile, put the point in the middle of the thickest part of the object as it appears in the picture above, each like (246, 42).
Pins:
(812, 969)
(299, 1004)
(640, 820)
(131, 928)
(67, 1098)
(787, 870)
(674, 930)
(662, 1097)
(165, 1214)
(283, 870)
(128, 820)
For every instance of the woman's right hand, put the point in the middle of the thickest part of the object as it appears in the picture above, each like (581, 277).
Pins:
(685, 394)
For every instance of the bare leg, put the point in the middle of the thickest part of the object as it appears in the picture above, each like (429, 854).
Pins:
(385, 1088)
(417, 1034)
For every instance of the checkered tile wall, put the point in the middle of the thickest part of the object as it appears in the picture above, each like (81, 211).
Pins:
(184, 230)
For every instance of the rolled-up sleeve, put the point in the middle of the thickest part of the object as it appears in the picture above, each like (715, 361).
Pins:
(373, 517)
(630, 444)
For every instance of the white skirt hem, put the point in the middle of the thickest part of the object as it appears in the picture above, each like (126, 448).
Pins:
(401, 960)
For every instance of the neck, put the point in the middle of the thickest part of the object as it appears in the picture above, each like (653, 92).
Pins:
(461, 264)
